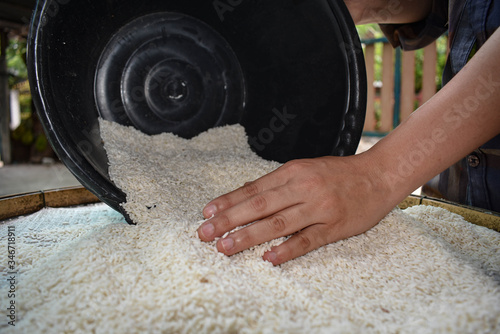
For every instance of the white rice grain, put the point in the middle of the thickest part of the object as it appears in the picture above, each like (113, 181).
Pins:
(420, 271)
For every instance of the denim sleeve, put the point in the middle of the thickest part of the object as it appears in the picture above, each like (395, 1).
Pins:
(416, 35)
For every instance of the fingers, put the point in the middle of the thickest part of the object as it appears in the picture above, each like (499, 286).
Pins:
(299, 244)
(259, 206)
(250, 189)
(303, 198)
(279, 225)
(230, 199)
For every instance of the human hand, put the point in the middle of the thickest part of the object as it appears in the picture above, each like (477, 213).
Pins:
(316, 201)
(319, 201)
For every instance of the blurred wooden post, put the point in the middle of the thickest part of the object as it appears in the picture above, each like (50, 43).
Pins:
(397, 88)
(5, 151)
(387, 95)
(370, 78)
(403, 94)
(407, 85)
(429, 72)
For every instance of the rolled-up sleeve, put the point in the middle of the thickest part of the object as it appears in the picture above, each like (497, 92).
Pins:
(417, 35)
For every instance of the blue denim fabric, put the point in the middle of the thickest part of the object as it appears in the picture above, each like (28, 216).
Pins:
(475, 180)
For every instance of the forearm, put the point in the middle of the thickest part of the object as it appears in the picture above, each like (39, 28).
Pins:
(458, 119)
(388, 11)
(317, 201)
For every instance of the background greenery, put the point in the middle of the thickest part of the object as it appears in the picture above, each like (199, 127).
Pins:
(28, 136)
(372, 31)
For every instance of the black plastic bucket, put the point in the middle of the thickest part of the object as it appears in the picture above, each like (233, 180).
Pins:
(291, 72)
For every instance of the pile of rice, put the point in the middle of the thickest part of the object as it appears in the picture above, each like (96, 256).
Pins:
(419, 270)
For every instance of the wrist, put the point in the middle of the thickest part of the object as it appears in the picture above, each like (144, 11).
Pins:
(390, 179)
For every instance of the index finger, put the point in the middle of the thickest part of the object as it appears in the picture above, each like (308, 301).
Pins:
(248, 190)
(257, 207)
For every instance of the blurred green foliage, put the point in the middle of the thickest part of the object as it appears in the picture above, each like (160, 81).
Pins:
(25, 133)
(369, 31)
(16, 61)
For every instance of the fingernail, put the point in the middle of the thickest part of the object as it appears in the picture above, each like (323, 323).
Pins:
(227, 244)
(210, 210)
(208, 230)
(271, 256)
